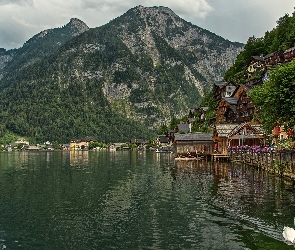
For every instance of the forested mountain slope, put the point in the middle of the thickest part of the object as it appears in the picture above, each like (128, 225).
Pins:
(115, 82)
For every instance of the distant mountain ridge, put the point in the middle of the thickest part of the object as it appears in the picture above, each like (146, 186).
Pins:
(114, 82)
(41, 45)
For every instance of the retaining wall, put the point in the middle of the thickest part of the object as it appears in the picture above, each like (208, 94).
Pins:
(277, 162)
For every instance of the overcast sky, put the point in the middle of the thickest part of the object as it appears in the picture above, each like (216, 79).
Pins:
(235, 20)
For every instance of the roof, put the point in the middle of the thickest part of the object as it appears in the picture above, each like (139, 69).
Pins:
(89, 139)
(223, 130)
(204, 108)
(228, 130)
(199, 136)
(163, 139)
(258, 58)
(247, 88)
(259, 128)
(186, 127)
(219, 83)
(231, 100)
(289, 50)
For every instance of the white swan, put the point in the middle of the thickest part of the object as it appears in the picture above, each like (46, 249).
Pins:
(289, 234)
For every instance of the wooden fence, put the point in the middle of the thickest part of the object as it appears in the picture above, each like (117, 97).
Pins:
(278, 162)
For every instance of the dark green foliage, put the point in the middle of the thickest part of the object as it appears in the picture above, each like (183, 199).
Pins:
(162, 130)
(8, 137)
(93, 145)
(275, 99)
(128, 75)
(207, 101)
(173, 123)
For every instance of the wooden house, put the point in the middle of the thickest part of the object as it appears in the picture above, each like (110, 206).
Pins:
(289, 54)
(162, 141)
(247, 134)
(255, 64)
(218, 90)
(256, 69)
(245, 107)
(220, 136)
(226, 110)
(197, 113)
(274, 59)
(237, 135)
(193, 143)
(223, 89)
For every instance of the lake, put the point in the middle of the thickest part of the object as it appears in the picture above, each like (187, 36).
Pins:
(139, 200)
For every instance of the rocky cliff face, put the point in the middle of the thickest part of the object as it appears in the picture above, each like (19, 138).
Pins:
(141, 68)
(212, 54)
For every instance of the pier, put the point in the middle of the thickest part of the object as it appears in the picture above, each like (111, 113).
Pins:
(220, 157)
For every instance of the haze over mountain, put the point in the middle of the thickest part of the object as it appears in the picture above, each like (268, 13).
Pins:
(114, 82)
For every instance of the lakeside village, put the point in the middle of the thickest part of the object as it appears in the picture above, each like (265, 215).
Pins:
(234, 135)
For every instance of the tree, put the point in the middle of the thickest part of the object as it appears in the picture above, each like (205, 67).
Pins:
(163, 129)
(275, 99)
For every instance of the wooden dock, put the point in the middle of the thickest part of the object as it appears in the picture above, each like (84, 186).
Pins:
(220, 157)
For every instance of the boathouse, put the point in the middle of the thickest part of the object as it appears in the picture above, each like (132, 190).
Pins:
(193, 143)
(238, 135)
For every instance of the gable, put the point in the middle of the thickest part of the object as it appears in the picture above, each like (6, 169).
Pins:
(246, 129)
(223, 130)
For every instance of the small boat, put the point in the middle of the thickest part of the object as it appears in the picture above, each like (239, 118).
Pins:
(289, 234)
(163, 150)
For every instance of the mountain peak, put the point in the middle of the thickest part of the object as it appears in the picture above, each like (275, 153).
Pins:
(76, 23)
(154, 10)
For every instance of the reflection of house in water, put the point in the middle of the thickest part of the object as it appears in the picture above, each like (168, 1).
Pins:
(18, 160)
(211, 172)
(79, 158)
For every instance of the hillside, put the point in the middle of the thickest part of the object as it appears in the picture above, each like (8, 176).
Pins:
(41, 45)
(281, 37)
(115, 82)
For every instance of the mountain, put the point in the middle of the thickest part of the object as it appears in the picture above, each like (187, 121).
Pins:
(39, 46)
(114, 82)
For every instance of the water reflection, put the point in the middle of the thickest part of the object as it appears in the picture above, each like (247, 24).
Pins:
(249, 197)
(138, 200)
(79, 158)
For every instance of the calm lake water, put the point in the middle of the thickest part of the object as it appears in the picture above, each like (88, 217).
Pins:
(138, 200)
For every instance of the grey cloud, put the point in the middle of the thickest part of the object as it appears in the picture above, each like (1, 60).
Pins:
(12, 36)
(234, 20)
(18, 2)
